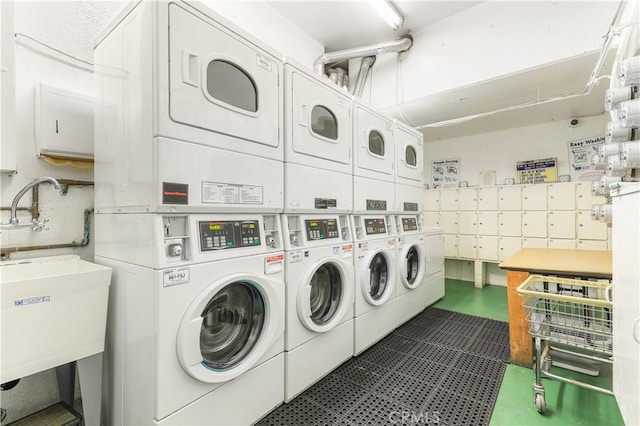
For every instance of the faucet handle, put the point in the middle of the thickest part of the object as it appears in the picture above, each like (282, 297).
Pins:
(38, 225)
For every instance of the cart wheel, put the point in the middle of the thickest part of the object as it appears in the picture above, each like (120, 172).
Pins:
(540, 403)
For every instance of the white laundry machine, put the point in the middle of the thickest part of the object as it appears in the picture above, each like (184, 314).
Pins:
(319, 308)
(410, 254)
(375, 265)
(409, 169)
(195, 329)
(318, 161)
(433, 278)
(189, 114)
(373, 160)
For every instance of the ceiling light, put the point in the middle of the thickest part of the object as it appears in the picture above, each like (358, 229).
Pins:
(389, 12)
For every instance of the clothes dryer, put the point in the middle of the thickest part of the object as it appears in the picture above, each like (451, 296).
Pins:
(409, 169)
(319, 287)
(410, 251)
(373, 164)
(375, 279)
(434, 264)
(189, 114)
(318, 161)
(196, 318)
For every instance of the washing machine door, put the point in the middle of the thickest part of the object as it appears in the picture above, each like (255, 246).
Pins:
(375, 147)
(229, 326)
(409, 156)
(325, 294)
(377, 277)
(411, 264)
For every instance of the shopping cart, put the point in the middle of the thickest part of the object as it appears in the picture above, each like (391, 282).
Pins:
(574, 314)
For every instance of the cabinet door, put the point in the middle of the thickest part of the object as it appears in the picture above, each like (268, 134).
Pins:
(562, 224)
(450, 246)
(510, 224)
(510, 198)
(534, 243)
(487, 223)
(507, 247)
(591, 245)
(534, 197)
(468, 199)
(466, 247)
(584, 198)
(589, 229)
(488, 248)
(561, 196)
(449, 200)
(534, 224)
(434, 252)
(467, 223)
(449, 222)
(432, 219)
(559, 243)
(488, 198)
(432, 200)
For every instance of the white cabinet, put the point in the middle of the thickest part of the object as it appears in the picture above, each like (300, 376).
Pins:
(591, 245)
(561, 244)
(534, 243)
(562, 224)
(534, 197)
(432, 200)
(487, 223)
(432, 219)
(561, 196)
(488, 198)
(510, 198)
(449, 200)
(467, 199)
(487, 248)
(508, 246)
(589, 229)
(467, 223)
(449, 222)
(450, 245)
(466, 246)
(510, 224)
(434, 252)
(534, 224)
(584, 199)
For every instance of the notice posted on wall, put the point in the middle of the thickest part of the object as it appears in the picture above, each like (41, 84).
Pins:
(581, 152)
(445, 173)
(537, 171)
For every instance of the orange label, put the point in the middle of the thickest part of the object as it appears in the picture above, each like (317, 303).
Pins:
(275, 258)
(347, 247)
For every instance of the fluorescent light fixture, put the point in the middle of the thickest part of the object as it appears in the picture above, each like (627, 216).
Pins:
(389, 12)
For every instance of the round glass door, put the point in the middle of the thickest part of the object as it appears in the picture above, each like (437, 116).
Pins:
(378, 276)
(232, 323)
(326, 293)
(412, 260)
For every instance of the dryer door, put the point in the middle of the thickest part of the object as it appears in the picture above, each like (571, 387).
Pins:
(220, 82)
(374, 144)
(409, 158)
(229, 327)
(411, 265)
(377, 277)
(325, 295)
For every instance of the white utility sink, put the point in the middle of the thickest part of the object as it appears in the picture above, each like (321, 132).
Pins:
(54, 311)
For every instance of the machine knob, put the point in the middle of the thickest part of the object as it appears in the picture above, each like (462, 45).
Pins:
(294, 239)
(271, 242)
(175, 250)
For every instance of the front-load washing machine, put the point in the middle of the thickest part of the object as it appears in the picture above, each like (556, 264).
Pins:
(195, 330)
(374, 314)
(189, 114)
(433, 280)
(318, 161)
(319, 287)
(411, 260)
(373, 160)
(409, 169)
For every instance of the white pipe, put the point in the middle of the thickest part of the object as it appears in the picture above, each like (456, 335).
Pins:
(365, 66)
(400, 45)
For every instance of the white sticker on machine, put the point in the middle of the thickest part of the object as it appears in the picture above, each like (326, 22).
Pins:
(175, 276)
(228, 193)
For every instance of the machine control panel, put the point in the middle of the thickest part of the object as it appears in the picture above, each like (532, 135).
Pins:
(217, 235)
(321, 229)
(409, 224)
(375, 226)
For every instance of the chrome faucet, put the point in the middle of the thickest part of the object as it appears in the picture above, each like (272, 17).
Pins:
(35, 224)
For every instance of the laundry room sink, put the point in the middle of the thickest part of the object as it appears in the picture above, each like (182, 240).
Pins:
(54, 311)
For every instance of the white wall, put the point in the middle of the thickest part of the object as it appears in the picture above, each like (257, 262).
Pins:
(72, 28)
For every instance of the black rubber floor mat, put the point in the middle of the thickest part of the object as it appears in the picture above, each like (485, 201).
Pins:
(441, 367)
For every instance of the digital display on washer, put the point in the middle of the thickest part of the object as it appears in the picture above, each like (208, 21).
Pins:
(375, 226)
(321, 229)
(217, 235)
(409, 224)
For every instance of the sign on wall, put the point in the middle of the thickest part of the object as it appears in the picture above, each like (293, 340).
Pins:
(445, 173)
(537, 171)
(580, 154)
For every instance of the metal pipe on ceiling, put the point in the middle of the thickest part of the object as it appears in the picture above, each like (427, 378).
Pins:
(365, 66)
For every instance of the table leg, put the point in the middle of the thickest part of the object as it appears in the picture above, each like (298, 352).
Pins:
(519, 338)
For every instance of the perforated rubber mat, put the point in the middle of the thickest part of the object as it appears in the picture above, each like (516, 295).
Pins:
(441, 367)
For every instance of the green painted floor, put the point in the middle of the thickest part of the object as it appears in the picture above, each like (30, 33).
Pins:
(566, 404)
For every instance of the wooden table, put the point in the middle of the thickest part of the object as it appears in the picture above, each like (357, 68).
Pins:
(556, 262)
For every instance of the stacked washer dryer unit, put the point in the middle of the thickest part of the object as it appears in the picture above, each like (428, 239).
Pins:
(317, 233)
(374, 227)
(189, 187)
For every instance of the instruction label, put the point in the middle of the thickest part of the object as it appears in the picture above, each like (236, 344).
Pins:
(229, 193)
(537, 171)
